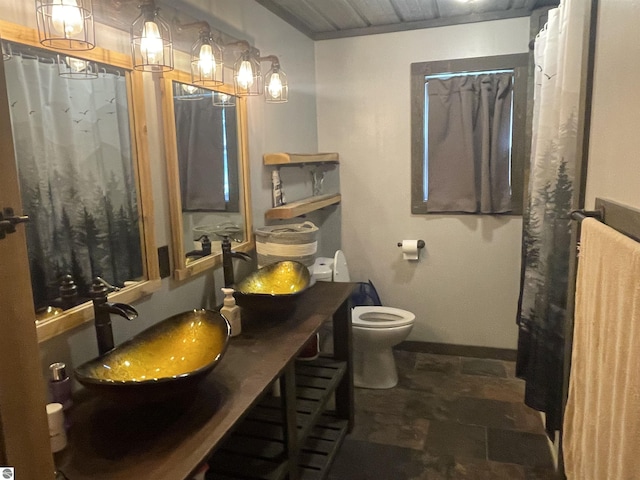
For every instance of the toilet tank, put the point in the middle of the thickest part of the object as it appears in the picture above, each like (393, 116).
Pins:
(323, 269)
(334, 269)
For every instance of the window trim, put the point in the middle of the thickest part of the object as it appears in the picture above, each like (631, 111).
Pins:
(520, 137)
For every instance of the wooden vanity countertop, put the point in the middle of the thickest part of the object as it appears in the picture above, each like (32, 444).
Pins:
(108, 442)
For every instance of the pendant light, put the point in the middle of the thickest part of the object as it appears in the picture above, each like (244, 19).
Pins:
(151, 44)
(207, 65)
(76, 68)
(247, 76)
(188, 89)
(276, 85)
(188, 92)
(220, 99)
(65, 24)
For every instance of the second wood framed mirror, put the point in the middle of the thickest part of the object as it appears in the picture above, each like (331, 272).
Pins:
(208, 172)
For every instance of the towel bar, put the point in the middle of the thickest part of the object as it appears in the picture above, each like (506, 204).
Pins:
(581, 214)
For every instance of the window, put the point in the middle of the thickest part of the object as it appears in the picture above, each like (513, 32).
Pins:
(461, 182)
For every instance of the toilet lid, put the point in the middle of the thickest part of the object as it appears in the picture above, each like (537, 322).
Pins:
(381, 317)
(340, 270)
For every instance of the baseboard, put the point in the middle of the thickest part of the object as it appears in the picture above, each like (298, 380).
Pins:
(458, 350)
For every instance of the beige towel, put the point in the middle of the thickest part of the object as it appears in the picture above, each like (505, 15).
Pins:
(602, 419)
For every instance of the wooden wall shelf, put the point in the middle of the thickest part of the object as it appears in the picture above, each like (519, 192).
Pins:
(299, 158)
(301, 207)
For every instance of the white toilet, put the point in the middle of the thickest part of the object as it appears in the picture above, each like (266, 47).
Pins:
(375, 330)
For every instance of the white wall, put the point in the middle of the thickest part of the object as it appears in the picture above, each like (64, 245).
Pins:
(286, 127)
(614, 152)
(464, 290)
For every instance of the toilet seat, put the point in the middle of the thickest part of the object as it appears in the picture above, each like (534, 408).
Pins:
(380, 317)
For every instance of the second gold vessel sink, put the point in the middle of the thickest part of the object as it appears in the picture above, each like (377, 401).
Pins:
(164, 360)
(274, 287)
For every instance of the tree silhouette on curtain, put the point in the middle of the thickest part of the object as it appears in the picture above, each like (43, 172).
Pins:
(546, 226)
(73, 151)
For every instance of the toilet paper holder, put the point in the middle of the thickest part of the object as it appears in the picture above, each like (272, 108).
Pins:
(421, 244)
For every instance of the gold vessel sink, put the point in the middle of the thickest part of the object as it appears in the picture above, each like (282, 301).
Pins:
(167, 359)
(274, 287)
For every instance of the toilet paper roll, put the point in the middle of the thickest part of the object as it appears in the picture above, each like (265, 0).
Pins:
(410, 250)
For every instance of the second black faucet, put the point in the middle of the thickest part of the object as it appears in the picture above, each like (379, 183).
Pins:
(227, 260)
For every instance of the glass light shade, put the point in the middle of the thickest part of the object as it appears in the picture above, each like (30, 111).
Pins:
(207, 67)
(220, 99)
(76, 68)
(66, 24)
(187, 92)
(151, 43)
(247, 76)
(189, 89)
(277, 87)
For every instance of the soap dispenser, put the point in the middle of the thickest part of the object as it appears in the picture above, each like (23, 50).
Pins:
(231, 311)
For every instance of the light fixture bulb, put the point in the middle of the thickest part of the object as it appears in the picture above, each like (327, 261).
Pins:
(66, 17)
(245, 75)
(151, 42)
(206, 61)
(190, 89)
(275, 85)
(220, 99)
(76, 64)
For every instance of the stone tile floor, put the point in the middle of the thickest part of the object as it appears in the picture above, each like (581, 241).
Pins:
(449, 418)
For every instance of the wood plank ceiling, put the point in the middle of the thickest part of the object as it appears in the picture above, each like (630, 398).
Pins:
(325, 19)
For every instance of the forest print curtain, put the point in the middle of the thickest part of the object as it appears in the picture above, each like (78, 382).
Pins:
(73, 150)
(547, 228)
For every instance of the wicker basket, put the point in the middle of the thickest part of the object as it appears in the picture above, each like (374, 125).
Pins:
(296, 241)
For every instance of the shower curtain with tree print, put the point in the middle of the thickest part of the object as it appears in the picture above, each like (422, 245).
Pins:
(73, 151)
(546, 225)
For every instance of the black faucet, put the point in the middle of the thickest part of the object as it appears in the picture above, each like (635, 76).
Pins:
(103, 309)
(227, 260)
(68, 294)
(206, 248)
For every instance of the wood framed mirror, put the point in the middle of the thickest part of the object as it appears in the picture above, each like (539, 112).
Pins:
(78, 122)
(208, 172)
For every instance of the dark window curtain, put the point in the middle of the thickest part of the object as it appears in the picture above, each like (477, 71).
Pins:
(469, 135)
(200, 145)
